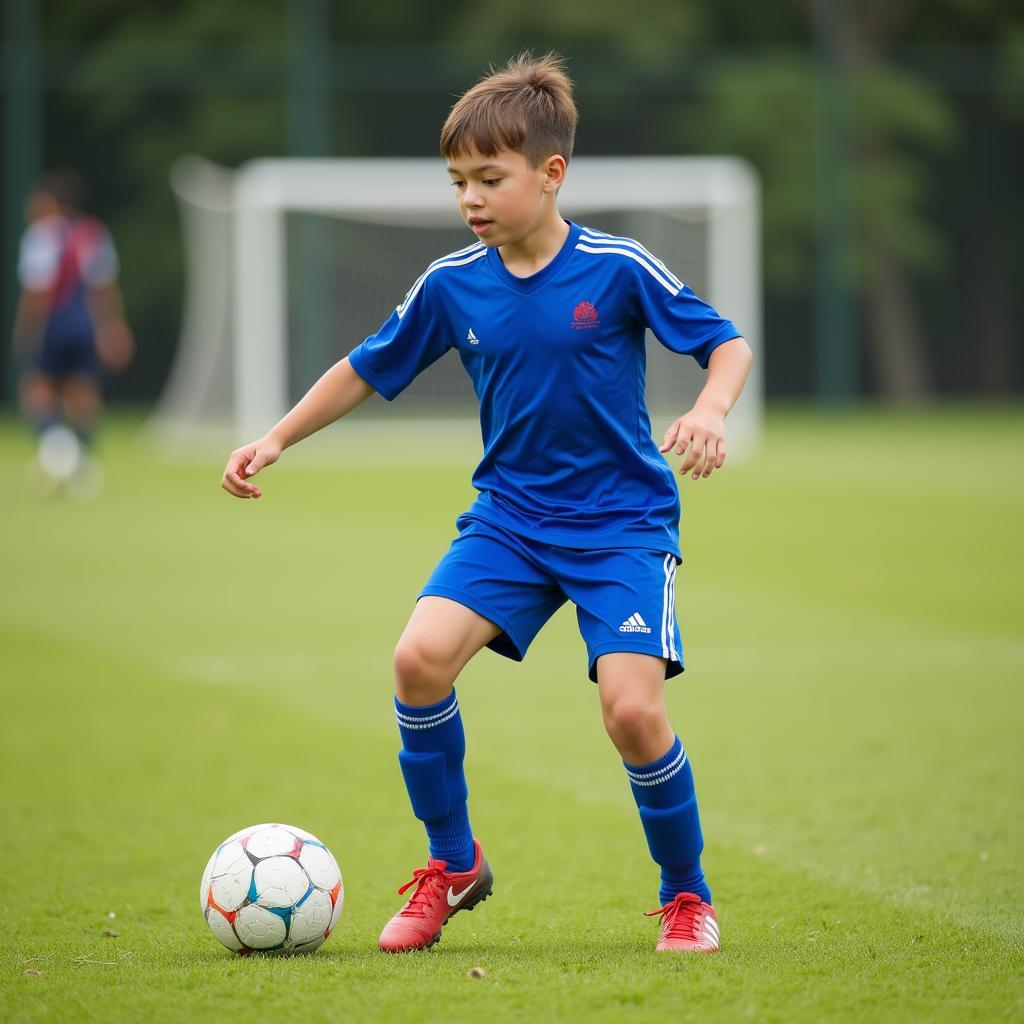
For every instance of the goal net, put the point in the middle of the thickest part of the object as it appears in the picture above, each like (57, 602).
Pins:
(291, 263)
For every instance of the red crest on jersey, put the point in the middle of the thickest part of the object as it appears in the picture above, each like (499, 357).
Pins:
(585, 315)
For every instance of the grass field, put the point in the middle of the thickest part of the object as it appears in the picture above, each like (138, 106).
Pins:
(177, 664)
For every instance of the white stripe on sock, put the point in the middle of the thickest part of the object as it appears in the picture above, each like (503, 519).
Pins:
(410, 723)
(655, 778)
(426, 721)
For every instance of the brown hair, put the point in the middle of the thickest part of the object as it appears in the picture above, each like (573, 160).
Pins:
(526, 106)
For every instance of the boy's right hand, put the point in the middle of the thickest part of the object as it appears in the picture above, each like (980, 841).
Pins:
(246, 462)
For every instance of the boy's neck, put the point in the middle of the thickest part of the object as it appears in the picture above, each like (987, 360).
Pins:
(536, 250)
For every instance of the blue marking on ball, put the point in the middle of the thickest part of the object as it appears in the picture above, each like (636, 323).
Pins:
(306, 896)
(285, 913)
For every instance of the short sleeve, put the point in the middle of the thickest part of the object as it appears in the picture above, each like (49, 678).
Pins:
(680, 320)
(39, 256)
(409, 341)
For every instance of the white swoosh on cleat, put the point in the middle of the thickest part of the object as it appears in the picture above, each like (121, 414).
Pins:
(455, 897)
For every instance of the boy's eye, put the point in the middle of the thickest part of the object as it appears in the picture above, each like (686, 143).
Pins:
(458, 184)
(491, 181)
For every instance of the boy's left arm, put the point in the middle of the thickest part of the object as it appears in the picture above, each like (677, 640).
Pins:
(702, 429)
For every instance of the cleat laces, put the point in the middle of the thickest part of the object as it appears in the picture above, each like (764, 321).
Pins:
(679, 917)
(429, 882)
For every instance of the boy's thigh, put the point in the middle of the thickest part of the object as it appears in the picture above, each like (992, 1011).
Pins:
(445, 632)
(500, 577)
(625, 602)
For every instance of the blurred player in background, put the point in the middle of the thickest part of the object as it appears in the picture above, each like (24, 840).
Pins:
(69, 330)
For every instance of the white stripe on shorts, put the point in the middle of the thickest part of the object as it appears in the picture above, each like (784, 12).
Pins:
(665, 653)
(672, 609)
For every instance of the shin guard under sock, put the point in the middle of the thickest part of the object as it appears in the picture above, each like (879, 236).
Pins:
(433, 748)
(665, 797)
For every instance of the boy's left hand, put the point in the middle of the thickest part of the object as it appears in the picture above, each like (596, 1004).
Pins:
(703, 432)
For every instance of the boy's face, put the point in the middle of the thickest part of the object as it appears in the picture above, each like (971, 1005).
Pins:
(502, 198)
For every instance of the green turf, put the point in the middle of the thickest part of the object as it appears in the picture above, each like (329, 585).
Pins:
(177, 664)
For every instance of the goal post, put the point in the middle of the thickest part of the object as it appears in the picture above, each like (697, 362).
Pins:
(292, 262)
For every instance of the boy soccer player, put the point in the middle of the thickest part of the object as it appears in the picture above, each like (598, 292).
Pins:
(575, 501)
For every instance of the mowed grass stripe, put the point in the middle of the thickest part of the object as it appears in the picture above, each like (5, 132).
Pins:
(811, 947)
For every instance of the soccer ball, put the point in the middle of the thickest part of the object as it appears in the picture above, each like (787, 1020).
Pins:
(271, 889)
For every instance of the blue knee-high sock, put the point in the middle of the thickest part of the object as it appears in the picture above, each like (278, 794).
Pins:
(434, 746)
(665, 797)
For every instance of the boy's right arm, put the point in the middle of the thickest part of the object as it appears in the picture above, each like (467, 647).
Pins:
(334, 395)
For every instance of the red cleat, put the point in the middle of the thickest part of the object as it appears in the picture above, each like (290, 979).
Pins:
(687, 924)
(439, 894)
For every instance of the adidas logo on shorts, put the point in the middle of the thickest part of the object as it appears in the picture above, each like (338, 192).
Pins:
(634, 624)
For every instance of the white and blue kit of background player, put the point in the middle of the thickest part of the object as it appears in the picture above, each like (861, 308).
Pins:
(576, 502)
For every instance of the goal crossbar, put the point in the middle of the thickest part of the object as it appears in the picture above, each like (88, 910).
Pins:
(723, 192)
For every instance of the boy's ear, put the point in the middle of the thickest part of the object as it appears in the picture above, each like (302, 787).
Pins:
(554, 173)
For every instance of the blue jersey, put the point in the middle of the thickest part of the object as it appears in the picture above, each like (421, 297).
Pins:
(558, 364)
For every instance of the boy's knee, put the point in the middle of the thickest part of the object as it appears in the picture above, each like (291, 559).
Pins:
(631, 722)
(423, 672)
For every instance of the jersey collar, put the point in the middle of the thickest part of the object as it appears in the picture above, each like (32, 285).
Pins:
(535, 281)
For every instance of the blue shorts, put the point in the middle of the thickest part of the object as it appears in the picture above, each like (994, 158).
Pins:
(71, 356)
(624, 597)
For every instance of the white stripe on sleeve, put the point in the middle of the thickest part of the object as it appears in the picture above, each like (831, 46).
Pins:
(603, 250)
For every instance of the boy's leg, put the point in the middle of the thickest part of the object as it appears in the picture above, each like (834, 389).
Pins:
(488, 590)
(632, 703)
(436, 644)
(439, 640)
(442, 635)
(632, 690)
